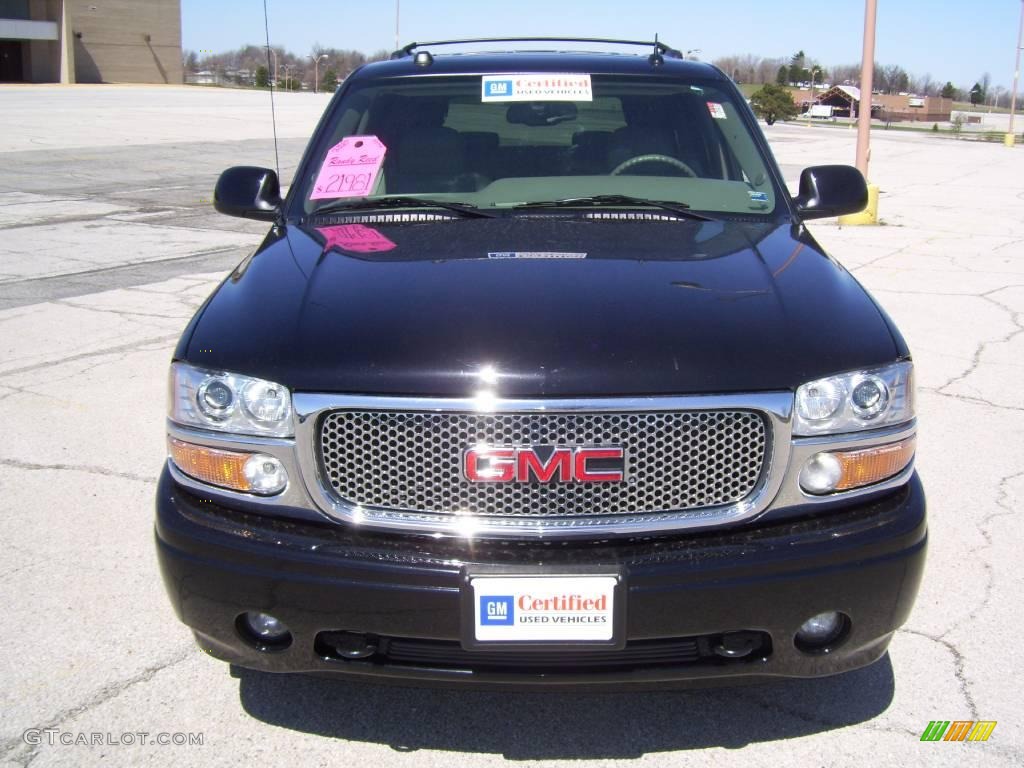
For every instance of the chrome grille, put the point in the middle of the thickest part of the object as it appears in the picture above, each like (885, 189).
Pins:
(411, 461)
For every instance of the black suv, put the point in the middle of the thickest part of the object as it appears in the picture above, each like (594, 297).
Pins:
(538, 378)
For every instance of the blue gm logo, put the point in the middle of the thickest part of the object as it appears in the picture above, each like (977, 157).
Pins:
(497, 88)
(496, 611)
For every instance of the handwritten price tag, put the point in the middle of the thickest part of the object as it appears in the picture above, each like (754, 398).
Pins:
(350, 168)
(356, 238)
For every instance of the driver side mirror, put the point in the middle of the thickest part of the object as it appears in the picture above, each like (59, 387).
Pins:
(248, 192)
(831, 190)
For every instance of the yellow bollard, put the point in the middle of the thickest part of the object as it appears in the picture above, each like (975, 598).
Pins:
(1009, 139)
(869, 215)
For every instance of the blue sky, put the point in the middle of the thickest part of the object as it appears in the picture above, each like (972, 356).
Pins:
(953, 40)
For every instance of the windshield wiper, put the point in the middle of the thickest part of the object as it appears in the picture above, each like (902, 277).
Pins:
(398, 201)
(682, 210)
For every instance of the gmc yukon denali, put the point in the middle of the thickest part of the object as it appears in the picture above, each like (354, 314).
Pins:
(538, 378)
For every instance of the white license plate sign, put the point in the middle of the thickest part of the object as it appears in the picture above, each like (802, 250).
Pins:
(545, 609)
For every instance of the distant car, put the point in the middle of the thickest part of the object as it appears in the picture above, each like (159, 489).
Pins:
(538, 378)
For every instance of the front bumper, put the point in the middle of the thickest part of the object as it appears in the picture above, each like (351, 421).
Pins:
(865, 561)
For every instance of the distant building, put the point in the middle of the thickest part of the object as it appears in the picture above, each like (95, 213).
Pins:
(203, 77)
(845, 102)
(90, 41)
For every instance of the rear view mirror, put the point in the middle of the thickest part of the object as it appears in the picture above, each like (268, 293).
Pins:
(541, 113)
(831, 190)
(248, 192)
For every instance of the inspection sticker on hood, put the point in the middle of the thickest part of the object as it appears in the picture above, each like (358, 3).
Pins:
(547, 87)
(350, 168)
(716, 110)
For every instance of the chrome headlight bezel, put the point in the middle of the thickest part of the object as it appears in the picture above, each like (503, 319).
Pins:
(894, 406)
(189, 386)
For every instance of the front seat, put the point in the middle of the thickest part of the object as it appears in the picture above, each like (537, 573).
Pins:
(429, 157)
(646, 133)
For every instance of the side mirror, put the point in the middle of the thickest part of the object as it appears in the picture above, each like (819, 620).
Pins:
(831, 190)
(249, 192)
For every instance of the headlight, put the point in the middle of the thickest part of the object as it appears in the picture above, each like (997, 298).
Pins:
(229, 402)
(851, 402)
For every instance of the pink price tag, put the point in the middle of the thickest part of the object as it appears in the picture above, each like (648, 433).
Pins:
(350, 168)
(355, 238)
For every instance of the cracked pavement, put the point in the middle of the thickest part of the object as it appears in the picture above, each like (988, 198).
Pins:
(99, 276)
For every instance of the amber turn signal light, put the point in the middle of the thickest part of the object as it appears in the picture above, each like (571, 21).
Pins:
(211, 465)
(247, 472)
(832, 471)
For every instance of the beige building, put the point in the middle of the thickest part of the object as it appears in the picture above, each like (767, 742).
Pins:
(90, 41)
(845, 102)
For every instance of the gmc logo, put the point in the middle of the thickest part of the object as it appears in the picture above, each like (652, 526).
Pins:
(544, 464)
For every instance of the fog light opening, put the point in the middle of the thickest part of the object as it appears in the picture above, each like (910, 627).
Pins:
(263, 631)
(823, 632)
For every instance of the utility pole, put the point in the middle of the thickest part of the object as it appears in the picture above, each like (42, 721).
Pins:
(1008, 140)
(398, 41)
(867, 73)
(316, 70)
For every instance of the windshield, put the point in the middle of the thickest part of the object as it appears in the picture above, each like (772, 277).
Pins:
(458, 139)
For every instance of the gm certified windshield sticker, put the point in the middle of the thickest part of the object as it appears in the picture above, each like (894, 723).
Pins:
(548, 87)
(355, 238)
(350, 168)
(534, 255)
(716, 110)
(758, 197)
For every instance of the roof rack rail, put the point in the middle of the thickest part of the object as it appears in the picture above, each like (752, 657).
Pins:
(659, 48)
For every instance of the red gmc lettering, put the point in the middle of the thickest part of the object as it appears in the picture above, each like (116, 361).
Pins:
(525, 465)
(584, 475)
(500, 468)
(560, 462)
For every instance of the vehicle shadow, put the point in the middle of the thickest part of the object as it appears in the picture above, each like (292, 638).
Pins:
(566, 725)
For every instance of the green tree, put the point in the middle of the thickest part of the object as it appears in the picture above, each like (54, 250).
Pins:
(783, 75)
(948, 91)
(797, 71)
(330, 81)
(977, 94)
(772, 103)
(262, 77)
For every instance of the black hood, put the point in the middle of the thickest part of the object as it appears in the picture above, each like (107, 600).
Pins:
(554, 306)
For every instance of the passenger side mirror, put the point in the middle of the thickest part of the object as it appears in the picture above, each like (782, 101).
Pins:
(248, 192)
(831, 190)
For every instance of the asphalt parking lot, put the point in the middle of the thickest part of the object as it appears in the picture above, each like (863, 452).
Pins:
(108, 243)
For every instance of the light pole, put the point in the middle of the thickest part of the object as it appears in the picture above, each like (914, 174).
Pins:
(398, 42)
(287, 78)
(867, 73)
(316, 70)
(810, 105)
(275, 61)
(1008, 140)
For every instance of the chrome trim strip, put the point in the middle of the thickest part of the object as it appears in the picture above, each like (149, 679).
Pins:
(775, 406)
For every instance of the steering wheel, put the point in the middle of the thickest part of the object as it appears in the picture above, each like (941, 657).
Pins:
(665, 159)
